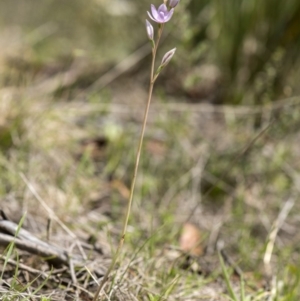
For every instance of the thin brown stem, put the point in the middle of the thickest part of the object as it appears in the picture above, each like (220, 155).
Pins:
(136, 166)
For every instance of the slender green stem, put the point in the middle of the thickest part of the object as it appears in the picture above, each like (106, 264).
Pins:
(136, 166)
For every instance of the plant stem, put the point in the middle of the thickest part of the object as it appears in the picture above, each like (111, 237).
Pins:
(136, 166)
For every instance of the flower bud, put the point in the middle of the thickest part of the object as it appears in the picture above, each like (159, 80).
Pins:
(150, 31)
(167, 57)
(173, 3)
(165, 60)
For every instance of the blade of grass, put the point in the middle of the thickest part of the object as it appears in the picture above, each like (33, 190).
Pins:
(11, 245)
(227, 279)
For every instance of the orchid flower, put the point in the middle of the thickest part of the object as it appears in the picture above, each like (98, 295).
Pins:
(160, 15)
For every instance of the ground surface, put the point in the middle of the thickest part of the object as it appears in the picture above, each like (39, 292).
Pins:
(66, 161)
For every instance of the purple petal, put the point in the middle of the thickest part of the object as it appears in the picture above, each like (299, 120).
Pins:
(169, 15)
(151, 17)
(154, 11)
(161, 16)
(162, 8)
(158, 19)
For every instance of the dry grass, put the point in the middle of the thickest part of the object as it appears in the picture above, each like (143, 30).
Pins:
(228, 170)
(86, 185)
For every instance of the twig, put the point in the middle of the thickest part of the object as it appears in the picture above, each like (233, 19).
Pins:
(273, 234)
(24, 240)
(35, 248)
(52, 214)
(45, 275)
(49, 224)
(71, 265)
(24, 267)
(11, 228)
(3, 215)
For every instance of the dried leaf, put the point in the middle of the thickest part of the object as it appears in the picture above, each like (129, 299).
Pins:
(190, 239)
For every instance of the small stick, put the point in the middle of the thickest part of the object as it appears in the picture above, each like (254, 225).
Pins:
(49, 224)
(71, 265)
(45, 275)
(52, 214)
(72, 271)
(3, 215)
(274, 231)
(35, 248)
(8, 227)
(24, 267)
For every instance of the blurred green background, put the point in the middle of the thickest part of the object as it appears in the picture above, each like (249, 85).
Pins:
(233, 52)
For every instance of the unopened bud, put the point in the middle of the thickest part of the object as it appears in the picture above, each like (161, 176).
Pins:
(164, 62)
(167, 57)
(173, 3)
(150, 30)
